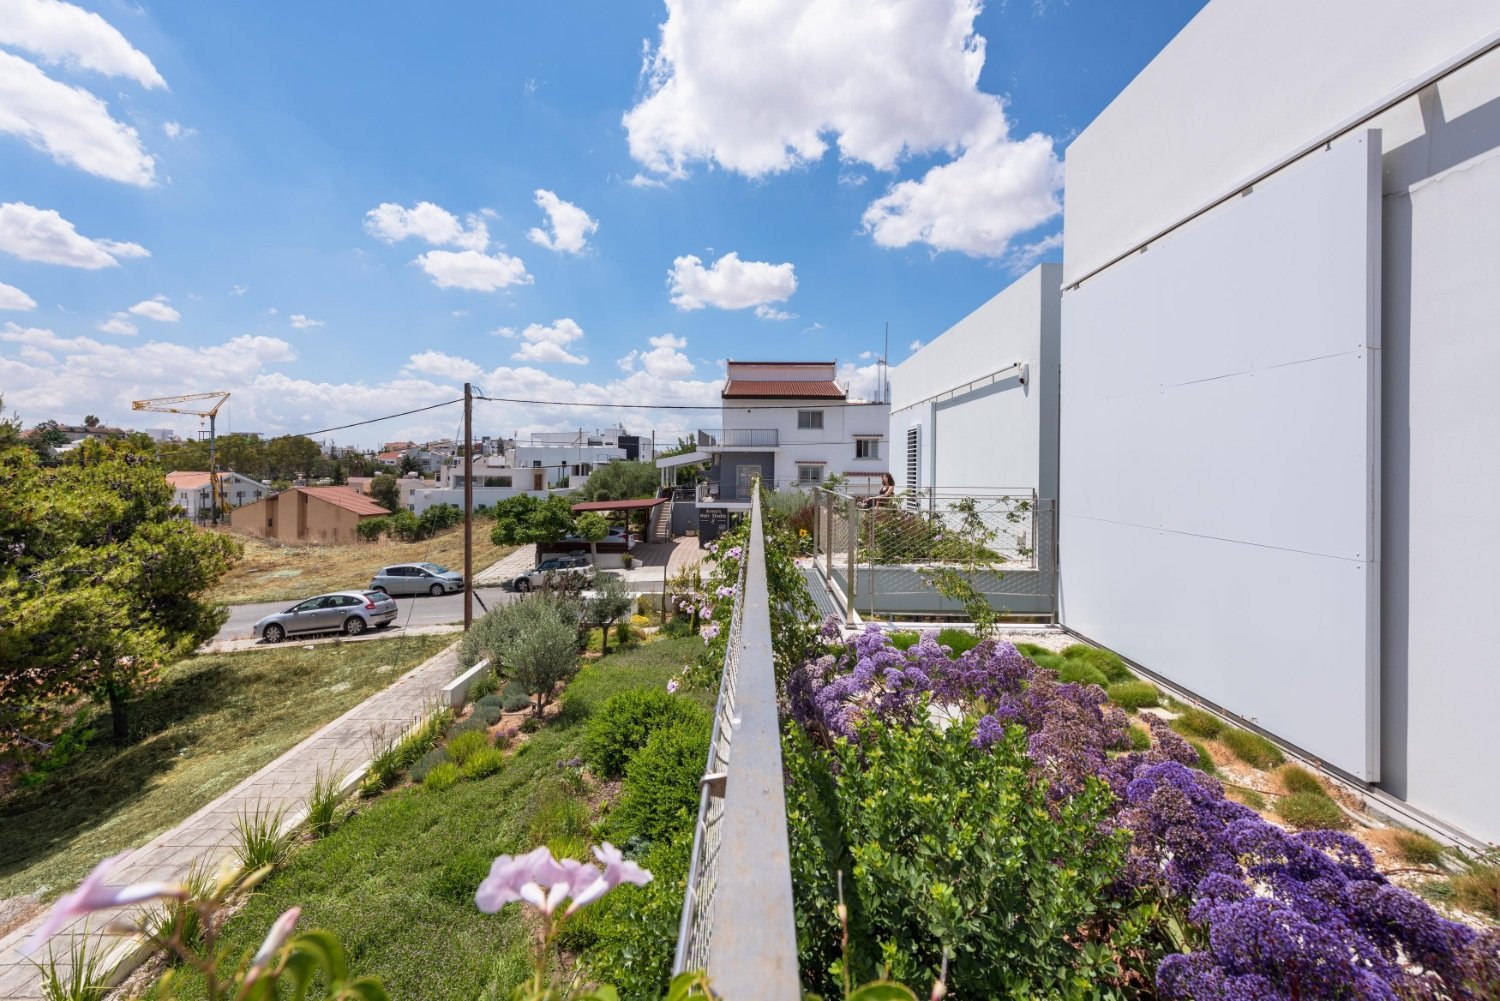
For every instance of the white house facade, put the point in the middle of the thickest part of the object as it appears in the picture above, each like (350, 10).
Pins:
(191, 492)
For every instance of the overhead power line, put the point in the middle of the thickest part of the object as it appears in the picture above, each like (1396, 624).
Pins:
(811, 404)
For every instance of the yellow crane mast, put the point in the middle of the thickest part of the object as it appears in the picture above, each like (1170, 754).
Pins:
(172, 405)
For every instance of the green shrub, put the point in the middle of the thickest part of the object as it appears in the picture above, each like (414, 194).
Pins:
(1133, 695)
(323, 803)
(1417, 849)
(1108, 663)
(514, 700)
(259, 839)
(1031, 650)
(1140, 737)
(574, 846)
(1251, 748)
(624, 633)
(632, 932)
(660, 794)
(473, 724)
(1050, 661)
(1478, 889)
(904, 639)
(492, 699)
(466, 744)
(620, 727)
(371, 529)
(427, 763)
(924, 880)
(1195, 722)
(1309, 811)
(443, 776)
(490, 714)
(1078, 672)
(1205, 762)
(1295, 778)
(958, 640)
(483, 762)
(531, 724)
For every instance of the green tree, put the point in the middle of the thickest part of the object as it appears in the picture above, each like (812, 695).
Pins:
(386, 492)
(683, 447)
(620, 481)
(594, 527)
(292, 456)
(523, 518)
(91, 422)
(45, 437)
(409, 464)
(609, 603)
(339, 476)
(102, 585)
(10, 428)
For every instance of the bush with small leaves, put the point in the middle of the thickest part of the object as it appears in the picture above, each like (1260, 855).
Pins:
(465, 745)
(490, 714)
(492, 699)
(444, 776)
(427, 763)
(483, 762)
(660, 794)
(470, 725)
(620, 727)
(632, 932)
(1133, 695)
(1415, 848)
(1253, 749)
(531, 724)
(1295, 778)
(1195, 722)
(514, 700)
(1310, 811)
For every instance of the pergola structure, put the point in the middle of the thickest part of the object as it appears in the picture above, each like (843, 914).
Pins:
(627, 507)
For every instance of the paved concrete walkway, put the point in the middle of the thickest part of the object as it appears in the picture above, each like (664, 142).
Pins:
(207, 837)
(507, 568)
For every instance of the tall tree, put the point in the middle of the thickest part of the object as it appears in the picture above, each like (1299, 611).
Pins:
(101, 585)
(386, 492)
(620, 481)
(45, 437)
(523, 518)
(10, 428)
(91, 422)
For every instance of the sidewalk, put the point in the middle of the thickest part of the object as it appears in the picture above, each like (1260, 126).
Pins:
(341, 747)
(507, 568)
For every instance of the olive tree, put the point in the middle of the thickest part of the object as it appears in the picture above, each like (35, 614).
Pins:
(609, 603)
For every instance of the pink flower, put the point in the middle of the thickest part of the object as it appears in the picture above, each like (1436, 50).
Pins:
(535, 878)
(275, 939)
(710, 632)
(94, 895)
(672, 687)
(617, 870)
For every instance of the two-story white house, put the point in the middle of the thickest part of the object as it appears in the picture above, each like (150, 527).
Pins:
(191, 492)
(792, 425)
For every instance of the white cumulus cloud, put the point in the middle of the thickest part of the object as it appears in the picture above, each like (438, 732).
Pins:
(444, 366)
(772, 313)
(156, 308)
(542, 343)
(13, 298)
(761, 88)
(34, 234)
(470, 269)
(118, 323)
(570, 225)
(70, 124)
(300, 322)
(426, 221)
(177, 130)
(64, 35)
(729, 283)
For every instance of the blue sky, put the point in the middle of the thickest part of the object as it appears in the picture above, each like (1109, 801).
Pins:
(332, 217)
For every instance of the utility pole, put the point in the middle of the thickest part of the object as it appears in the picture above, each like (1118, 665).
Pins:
(468, 506)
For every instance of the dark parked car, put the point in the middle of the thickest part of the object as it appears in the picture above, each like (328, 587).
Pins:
(351, 612)
(417, 578)
(559, 566)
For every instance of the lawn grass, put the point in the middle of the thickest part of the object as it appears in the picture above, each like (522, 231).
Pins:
(271, 571)
(212, 721)
(396, 881)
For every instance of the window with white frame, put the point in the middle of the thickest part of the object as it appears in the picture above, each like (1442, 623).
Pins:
(809, 474)
(867, 448)
(809, 420)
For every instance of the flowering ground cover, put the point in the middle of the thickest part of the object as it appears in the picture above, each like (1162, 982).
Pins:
(989, 818)
(211, 721)
(396, 881)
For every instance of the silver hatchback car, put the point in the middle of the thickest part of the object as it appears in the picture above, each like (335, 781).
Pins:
(417, 578)
(350, 612)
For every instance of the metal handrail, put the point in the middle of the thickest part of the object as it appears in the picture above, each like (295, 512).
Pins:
(737, 915)
(738, 437)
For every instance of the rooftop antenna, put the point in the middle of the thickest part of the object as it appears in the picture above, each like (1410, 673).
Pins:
(885, 366)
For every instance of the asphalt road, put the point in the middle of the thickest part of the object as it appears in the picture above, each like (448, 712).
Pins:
(420, 610)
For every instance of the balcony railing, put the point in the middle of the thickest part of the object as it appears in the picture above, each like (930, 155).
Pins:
(737, 438)
(737, 917)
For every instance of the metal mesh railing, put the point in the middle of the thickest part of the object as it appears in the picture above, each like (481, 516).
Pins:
(880, 553)
(737, 919)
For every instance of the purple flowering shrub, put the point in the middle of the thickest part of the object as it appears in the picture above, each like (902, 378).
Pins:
(1240, 909)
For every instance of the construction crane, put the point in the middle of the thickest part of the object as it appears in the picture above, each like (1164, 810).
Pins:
(170, 405)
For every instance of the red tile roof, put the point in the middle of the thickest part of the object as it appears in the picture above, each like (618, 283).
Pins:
(345, 498)
(820, 389)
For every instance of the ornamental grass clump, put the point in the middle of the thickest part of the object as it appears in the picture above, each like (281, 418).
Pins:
(1311, 811)
(483, 763)
(1199, 896)
(1133, 695)
(441, 777)
(1416, 848)
(465, 745)
(1478, 889)
(1195, 722)
(1296, 779)
(1253, 749)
